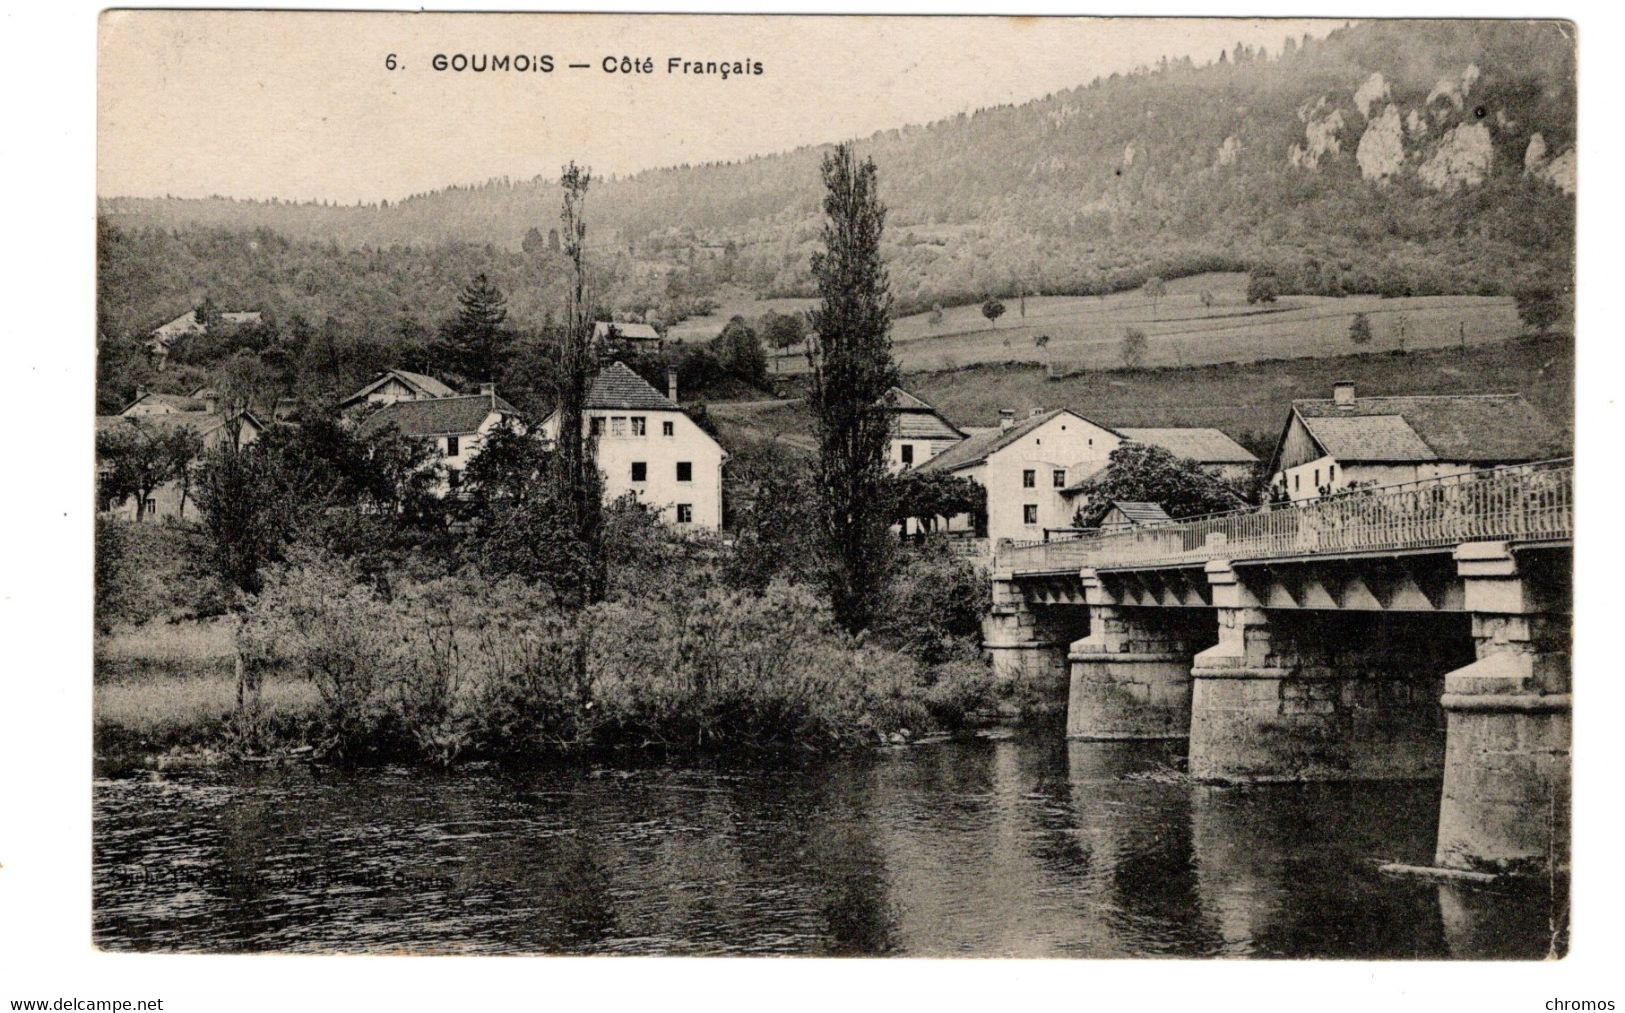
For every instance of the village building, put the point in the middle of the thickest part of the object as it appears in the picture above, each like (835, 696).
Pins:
(455, 426)
(1126, 514)
(1210, 448)
(1026, 468)
(609, 336)
(918, 431)
(1329, 444)
(160, 338)
(394, 385)
(648, 447)
(154, 415)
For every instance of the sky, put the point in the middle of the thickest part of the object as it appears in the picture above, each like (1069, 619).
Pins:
(304, 106)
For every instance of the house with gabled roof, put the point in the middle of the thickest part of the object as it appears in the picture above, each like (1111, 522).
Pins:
(1216, 452)
(1124, 514)
(160, 338)
(397, 385)
(1026, 468)
(608, 335)
(157, 415)
(647, 446)
(1327, 444)
(455, 426)
(918, 431)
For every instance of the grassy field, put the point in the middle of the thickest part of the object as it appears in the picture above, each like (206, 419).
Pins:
(1247, 400)
(165, 685)
(1086, 332)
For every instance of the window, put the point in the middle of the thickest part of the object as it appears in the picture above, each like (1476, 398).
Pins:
(666, 429)
(908, 454)
(151, 506)
(1029, 478)
(640, 471)
(451, 446)
(595, 425)
(640, 425)
(685, 513)
(685, 471)
(1331, 473)
(1029, 513)
(1297, 480)
(1317, 478)
(1059, 475)
(617, 425)
(454, 477)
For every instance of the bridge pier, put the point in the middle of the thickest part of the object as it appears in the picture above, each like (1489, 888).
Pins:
(1505, 804)
(1316, 695)
(1131, 676)
(1028, 643)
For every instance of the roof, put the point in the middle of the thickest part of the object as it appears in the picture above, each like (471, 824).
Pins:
(187, 321)
(914, 418)
(179, 402)
(1480, 428)
(436, 416)
(626, 331)
(425, 385)
(977, 449)
(200, 422)
(1202, 445)
(1138, 512)
(617, 386)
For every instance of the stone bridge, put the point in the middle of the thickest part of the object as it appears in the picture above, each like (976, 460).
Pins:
(1412, 631)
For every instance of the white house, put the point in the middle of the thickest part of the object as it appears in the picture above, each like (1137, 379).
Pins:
(397, 385)
(456, 426)
(918, 431)
(1329, 443)
(1026, 468)
(649, 447)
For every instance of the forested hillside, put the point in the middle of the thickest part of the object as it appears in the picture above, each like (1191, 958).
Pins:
(1411, 157)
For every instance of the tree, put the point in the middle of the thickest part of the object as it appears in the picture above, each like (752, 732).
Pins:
(852, 369)
(574, 535)
(1155, 288)
(1133, 347)
(993, 310)
(783, 331)
(137, 457)
(936, 314)
(1208, 299)
(1262, 286)
(741, 351)
(1144, 473)
(246, 385)
(207, 314)
(533, 244)
(1360, 329)
(1539, 307)
(927, 495)
(1402, 330)
(475, 345)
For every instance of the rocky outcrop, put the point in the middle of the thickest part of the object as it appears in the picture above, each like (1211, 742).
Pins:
(1558, 171)
(1375, 89)
(1321, 130)
(1462, 158)
(1381, 153)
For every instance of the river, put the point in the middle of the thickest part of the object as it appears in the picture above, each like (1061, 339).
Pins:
(997, 846)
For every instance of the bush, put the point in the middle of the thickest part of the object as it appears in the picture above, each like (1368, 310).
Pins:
(934, 605)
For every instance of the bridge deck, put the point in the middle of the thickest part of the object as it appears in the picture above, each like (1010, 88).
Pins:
(1527, 503)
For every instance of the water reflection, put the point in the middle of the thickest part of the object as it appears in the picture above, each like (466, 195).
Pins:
(1010, 847)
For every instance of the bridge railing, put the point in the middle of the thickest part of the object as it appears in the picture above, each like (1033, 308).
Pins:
(1533, 501)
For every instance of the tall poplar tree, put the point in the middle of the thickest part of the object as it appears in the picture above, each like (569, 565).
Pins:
(577, 489)
(852, 369)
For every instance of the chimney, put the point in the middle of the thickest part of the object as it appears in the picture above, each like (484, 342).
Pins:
(1007, 418)
(488, 389)
(671, 384)
(1343, 393)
